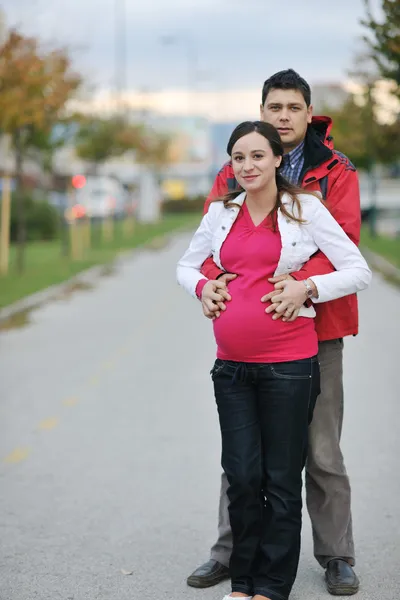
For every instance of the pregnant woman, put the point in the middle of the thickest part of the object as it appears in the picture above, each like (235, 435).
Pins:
(266, 375)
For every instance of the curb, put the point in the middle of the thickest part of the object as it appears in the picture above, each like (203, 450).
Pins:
(382, 265)
(88, 276)
(50, 293)
(85, 277)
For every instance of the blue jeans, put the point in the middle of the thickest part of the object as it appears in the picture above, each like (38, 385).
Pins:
(264, 412)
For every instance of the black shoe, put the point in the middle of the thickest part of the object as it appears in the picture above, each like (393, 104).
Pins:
(209, 574)
(340, 578)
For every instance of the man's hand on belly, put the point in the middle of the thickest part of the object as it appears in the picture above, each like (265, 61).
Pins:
(287, 298)
(215, 294)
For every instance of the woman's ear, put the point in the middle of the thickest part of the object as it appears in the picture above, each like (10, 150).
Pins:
(278, 162)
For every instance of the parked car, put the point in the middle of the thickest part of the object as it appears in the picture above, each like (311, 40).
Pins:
(102, 196)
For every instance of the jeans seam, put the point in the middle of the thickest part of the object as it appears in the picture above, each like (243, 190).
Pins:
(242, 589)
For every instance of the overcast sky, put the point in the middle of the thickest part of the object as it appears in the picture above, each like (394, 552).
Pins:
(235, 43)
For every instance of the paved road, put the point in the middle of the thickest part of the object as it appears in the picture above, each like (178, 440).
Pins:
(109, 445)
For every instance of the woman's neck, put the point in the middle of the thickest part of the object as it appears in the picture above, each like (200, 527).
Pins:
(263, 200)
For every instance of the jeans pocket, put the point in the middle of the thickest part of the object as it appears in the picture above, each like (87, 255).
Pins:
(217, 368)
(295, 369)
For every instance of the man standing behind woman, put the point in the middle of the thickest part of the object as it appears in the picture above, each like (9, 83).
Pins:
(266, 376)
(309, 161)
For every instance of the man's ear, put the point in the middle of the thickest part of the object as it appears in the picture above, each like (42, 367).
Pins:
(310, 113)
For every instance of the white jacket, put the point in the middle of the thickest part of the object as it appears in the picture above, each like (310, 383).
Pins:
(299, 242)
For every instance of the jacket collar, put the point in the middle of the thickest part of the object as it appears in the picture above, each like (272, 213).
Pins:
(317, 144)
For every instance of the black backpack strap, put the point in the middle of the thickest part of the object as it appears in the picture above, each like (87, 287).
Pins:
(346, 161)
(323, 184)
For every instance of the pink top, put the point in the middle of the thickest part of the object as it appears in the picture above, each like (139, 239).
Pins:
(244, 332)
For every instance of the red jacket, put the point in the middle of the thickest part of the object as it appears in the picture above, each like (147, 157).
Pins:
(333, 174)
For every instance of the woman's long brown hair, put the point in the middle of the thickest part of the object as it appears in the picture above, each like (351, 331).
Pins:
(284, 187)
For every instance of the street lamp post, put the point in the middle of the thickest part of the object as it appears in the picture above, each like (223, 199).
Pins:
(192, 60)
(120, 45)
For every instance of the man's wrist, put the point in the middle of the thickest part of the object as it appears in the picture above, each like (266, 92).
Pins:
(311, 289)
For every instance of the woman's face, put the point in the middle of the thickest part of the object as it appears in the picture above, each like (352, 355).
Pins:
(253, 162)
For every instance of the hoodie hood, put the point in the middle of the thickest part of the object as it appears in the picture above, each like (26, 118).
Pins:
(318, 143)
(322, 127)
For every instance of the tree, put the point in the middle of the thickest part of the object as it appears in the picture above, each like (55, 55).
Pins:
(34, 88)
(98, 140)
(42, 144)
(361, 137)
(384, 39)
(366, 141)
(154, 151)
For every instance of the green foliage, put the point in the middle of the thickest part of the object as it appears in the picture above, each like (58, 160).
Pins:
(42, 220)
(98, 140)
(154, 150)
(365, 141)
(386, 246)
(184, 205)
(35, 85)
(101, 139)
(384, 39)
(38, 80)
(43, 143)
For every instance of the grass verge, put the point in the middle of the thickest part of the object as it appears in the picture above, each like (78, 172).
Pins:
(45, 264)
(387, 247)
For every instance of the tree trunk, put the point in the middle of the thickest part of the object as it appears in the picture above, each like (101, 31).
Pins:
(94, 169)
(19, 201)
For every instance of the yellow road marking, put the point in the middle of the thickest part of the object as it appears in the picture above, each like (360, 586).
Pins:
(20, 454)
(71, 401)
(48, 424)
(17, 455)
(109, 364)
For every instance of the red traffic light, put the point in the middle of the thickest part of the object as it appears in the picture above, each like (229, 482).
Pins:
(78, 181)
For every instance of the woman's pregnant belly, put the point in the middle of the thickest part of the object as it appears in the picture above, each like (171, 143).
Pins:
(246, 333)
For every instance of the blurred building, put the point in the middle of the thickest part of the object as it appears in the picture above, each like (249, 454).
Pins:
(189, 167)
(328, 96)
(388, 105)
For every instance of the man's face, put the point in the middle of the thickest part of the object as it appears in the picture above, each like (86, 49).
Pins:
(288, 112)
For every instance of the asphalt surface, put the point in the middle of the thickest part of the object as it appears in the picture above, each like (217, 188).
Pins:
(109, 444)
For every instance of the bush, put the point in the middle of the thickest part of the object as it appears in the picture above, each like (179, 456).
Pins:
(194, 204)
(41, 218)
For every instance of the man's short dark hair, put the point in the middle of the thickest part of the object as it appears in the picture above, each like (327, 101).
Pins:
(287, 80)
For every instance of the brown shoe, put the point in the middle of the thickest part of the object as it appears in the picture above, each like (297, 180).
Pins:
(209, 574)
(341, 579)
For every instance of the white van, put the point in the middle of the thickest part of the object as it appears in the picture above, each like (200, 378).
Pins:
(102, 196)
